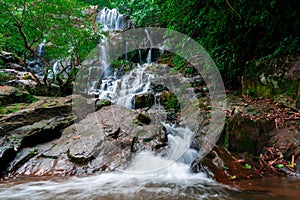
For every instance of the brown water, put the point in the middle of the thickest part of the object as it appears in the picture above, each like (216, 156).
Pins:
(124, 186)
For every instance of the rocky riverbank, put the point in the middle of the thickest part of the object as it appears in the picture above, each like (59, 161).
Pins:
(38, 135)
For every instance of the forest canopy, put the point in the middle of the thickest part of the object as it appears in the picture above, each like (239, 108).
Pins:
(232, 31)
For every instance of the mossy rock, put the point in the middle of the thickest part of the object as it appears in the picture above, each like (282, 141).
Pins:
(143, 100)
(6, 77)
(269, 78)
(12, 108)
(170, 102)
(244, 135)
(101, 103)
(142, 119)
(10, 95)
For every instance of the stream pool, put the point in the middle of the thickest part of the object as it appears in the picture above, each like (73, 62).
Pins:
(151, 186)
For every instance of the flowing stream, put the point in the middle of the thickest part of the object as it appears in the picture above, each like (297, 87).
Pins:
(149, 176)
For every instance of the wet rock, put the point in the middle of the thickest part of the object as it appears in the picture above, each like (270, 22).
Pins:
(7, 154)
(142, 119)
(16, 66)
(270, 78)
(225, 166)
(42, 131)
(10, 95)
(143, 100)
(27, 134)
(158, 87)
(103, 141)
(21, 158)
(255, 128)
(8, 57)
(246, 135)
(41, 110)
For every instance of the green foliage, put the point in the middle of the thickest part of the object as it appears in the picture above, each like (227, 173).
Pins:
(30, 98)
(280, 166)
(7, 109)
(4, 77)
(100, 3)
(127, 66)
(2, 41)
(233, 32)
(248, 166)
(236, 31)
(70, 33)
(225, 168)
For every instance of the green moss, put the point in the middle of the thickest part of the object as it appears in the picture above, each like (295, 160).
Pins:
(147, 139)
(30, 98)
(4, 77)
(141, 133)
(46, 105)
(12, 108)
(33, 152)
(118, 64)
(170, 102)
(276, 82)
(101, 103)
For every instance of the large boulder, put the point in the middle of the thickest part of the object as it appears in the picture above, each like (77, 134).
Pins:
(21, 132)
(275, 79)
(10, 95)
(103, 140)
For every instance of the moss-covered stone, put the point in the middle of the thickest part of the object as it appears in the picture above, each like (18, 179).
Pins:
(10, 95)
(143, 100)
(170, 102)
(101, 103)
(269, 78)
(142, 119)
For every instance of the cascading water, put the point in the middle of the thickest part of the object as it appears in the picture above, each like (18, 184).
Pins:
(148, 175)
(123, 89)
(40, 49)
(112, 20)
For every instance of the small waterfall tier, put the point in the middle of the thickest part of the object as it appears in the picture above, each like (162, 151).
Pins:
(113, 20)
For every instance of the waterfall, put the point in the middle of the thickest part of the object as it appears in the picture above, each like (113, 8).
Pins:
(112, 20)
(40, 49)
(104, 57)
(166, 174)
(149, 55)
(179, 154)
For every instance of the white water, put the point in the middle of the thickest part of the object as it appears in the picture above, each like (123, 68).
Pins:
(163, 185)
(110, 19)
(40, 49)
(149, 176)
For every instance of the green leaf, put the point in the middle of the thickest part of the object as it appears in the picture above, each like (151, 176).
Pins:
(248, 166)
(280, 166)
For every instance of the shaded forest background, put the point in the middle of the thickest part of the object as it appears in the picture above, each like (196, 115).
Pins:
(232, 31)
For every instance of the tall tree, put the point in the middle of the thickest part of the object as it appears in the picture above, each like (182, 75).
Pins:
(69, 31)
